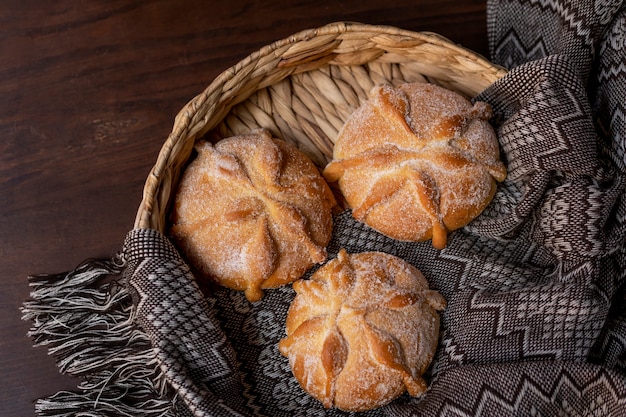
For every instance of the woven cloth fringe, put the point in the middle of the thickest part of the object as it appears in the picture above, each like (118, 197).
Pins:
(86, 320)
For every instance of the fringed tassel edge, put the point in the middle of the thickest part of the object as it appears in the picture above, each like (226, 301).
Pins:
(85, 319)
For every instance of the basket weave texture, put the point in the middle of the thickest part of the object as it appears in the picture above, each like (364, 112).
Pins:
(302, 89)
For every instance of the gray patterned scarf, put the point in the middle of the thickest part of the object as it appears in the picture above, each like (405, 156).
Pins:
(536, 317)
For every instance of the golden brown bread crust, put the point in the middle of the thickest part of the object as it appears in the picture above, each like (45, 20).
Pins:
(252, 212)
(417, 161)
(362, 330)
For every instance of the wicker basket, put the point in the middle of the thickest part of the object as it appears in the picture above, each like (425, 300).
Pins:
(302, 89)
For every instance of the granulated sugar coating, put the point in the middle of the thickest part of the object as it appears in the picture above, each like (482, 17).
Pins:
(362, 331)
(252, 212)
(417, 161)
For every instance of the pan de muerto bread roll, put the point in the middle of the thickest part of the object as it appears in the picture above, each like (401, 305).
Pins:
(252, 212)
(362, 330)
(417, 161)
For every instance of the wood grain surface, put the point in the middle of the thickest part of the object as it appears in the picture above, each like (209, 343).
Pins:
(88, 93)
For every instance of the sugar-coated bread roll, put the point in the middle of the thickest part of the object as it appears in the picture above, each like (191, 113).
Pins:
(417, 161)
(362, 331)
(252, 212)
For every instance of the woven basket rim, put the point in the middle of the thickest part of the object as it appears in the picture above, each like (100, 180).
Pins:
(157, 180)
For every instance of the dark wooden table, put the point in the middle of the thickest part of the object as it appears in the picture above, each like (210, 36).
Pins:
(88, 93)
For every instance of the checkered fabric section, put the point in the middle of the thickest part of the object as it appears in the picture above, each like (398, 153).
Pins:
(194, 354)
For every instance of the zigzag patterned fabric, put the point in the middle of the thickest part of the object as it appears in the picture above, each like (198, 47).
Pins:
(536, 286)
